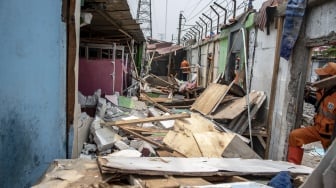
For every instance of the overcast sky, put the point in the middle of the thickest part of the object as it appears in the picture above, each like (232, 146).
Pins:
(191, 9)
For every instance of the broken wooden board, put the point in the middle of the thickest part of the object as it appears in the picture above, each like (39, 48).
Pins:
(235, 108)
(197, 166)
(242, 126)
(212, 144)
(209, 99)
(325, 83)
(183, 143)
(237, 148)
(146, 120)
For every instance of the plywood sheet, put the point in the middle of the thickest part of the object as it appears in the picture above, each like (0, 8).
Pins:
(211, 144)
(182, 142)
(235, 108)
(196, 123)
(209, 99)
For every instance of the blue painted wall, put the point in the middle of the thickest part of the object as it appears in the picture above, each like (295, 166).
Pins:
(32, 89)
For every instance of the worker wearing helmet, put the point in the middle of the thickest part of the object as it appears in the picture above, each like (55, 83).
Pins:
(324, 120)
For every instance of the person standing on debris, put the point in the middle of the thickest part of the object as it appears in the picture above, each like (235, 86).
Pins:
(185, 68)
(324, 120)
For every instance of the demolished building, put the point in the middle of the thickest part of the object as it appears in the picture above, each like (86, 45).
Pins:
(107, 53)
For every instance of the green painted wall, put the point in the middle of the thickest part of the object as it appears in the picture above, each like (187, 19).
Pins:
(223, 50)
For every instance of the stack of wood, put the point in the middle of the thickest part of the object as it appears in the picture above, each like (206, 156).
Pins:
(169, 91)
(218, 102)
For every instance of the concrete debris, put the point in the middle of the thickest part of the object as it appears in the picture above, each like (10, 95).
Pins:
(105, 138)
(84, 156)
(120, 145)
(89, 149)
(101, 108)
(84, 124)
(126, 153)
(136, 143)
(89, 101)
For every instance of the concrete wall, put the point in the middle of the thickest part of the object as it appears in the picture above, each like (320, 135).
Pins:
(33, 89)
(321, 20)
(319, 23)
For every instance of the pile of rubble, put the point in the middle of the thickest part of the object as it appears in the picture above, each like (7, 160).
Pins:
(147, 144)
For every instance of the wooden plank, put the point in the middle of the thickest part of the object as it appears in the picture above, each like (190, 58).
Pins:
(196, 166)
(144, 138)
(158, 99)
(234, 109)
(207, 101)
(183, 143)
(255, 108)
(274, 83)
(262, 141)
(146, 120)
(149, 99)
(237, 148)
(222, 97)
(325, 83)
(143, 129)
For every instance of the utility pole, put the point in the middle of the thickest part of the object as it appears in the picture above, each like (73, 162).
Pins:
(179, 29)
(144, 17)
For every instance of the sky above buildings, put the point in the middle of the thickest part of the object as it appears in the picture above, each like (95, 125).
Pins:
(165, 19)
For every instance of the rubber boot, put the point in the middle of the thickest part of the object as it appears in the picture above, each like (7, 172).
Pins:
(295, 154)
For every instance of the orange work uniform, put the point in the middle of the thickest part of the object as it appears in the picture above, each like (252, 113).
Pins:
(185, 66)
(324, 122)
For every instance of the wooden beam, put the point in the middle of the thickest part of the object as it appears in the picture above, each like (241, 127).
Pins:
(71, 72)
(149, 99)
(146, 120)
(144, 138)
(110, 19)
(325, 83)
(142, 129)
(274, 83)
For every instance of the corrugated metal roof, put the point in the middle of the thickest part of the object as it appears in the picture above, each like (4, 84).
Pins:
(112, 22)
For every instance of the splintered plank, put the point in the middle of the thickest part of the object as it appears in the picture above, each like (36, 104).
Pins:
(325, 83)
(234, 109)
(210, 98)
(146, 120)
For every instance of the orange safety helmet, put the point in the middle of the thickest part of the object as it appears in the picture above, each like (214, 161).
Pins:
(327, 70)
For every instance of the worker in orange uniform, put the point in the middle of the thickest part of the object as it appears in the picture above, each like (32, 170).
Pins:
(324, 120)
(185, 68)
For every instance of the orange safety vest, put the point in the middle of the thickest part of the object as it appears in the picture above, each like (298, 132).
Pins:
(326, 114)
